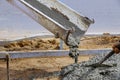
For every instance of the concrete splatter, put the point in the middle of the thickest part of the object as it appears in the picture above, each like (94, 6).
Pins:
(80, 72)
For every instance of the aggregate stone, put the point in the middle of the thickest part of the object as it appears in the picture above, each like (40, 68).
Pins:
(80, 72)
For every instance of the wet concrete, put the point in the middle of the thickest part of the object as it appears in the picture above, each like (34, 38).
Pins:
(80, 72)
(56, 15)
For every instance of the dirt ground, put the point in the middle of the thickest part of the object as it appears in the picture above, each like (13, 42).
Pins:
(46, 68)
(37, 43)
(36, 68)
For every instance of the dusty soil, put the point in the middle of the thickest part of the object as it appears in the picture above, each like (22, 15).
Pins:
(87, 42)
(44, 68)
(36, 68)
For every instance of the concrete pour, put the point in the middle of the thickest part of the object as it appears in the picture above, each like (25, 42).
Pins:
(80, 72)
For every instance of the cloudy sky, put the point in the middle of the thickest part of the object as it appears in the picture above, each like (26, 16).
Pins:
(106, 14)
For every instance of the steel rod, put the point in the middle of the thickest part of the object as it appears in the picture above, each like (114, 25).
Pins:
(7, 61)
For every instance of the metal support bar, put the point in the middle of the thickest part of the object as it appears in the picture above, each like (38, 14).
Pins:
(7, 62)
(51, 53)
(76, 58)
(61, 44)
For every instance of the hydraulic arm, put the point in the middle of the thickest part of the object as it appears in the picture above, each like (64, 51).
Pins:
(59, 19)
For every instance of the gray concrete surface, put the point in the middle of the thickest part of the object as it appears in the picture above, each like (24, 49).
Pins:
(80, 72)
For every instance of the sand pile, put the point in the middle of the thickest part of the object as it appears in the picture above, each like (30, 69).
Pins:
(97, 42)
(106, 39)
(80, 72)
(32, 44)
(37, 43)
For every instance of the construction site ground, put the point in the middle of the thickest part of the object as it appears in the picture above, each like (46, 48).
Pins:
(43, 68)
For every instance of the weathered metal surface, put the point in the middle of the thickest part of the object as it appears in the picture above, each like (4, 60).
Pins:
(94, 51)
(37, 54)
(59, 19)
(3, 55)
(7, 66)
(51, 53)
(38, 16)
(55, 16)
(99, 65)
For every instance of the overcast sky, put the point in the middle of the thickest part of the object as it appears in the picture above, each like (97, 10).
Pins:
(106, 14)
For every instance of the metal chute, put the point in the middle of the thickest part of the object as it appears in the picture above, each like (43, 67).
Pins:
(58, 18)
